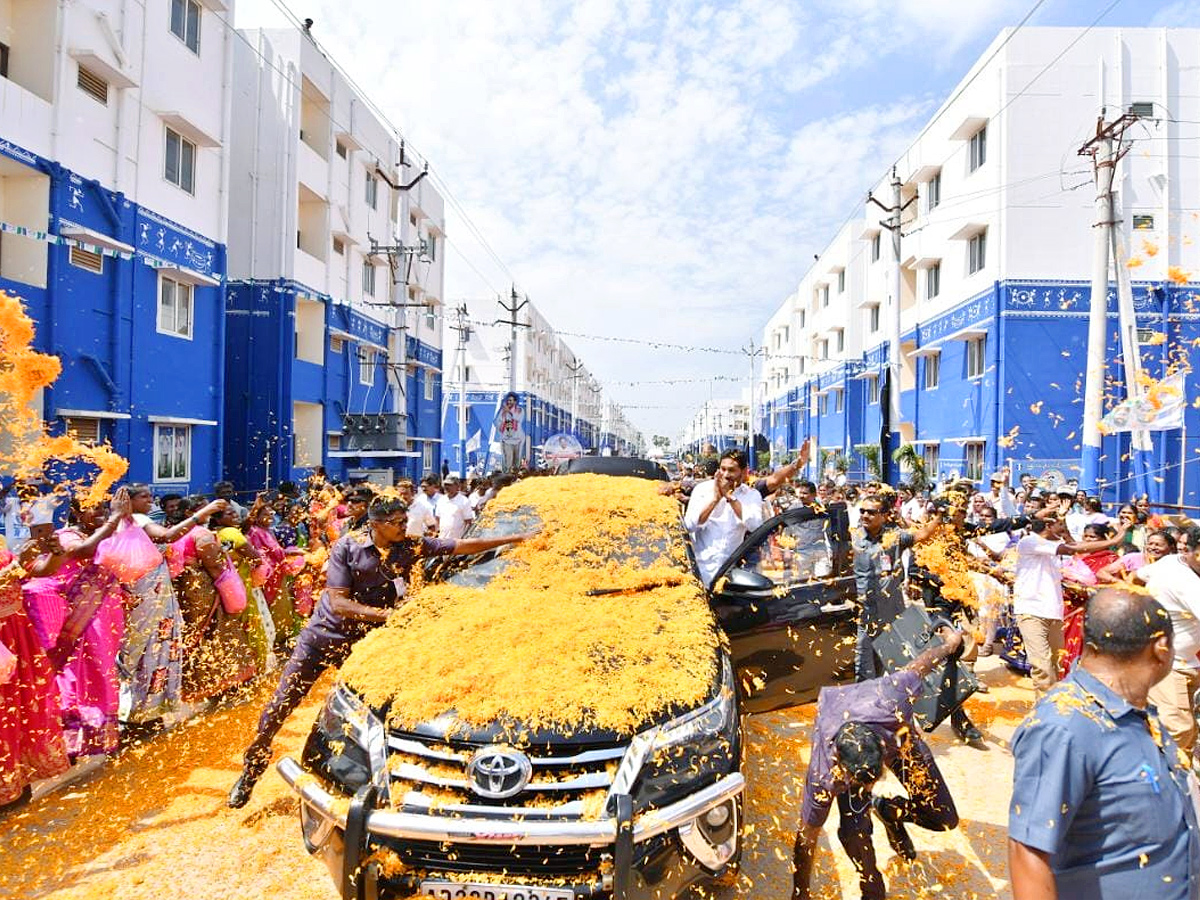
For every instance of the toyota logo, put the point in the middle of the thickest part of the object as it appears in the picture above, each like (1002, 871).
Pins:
(498, 772)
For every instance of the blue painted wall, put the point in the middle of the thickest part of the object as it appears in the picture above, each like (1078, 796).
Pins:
(103, 326)
(1027, 406)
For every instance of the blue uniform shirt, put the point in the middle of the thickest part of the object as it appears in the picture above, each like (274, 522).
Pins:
(1093, 788)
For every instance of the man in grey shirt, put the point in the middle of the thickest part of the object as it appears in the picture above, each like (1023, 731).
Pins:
(879, 576)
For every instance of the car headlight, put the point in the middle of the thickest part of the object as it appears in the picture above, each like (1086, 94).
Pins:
(348, 743)
(690, 751)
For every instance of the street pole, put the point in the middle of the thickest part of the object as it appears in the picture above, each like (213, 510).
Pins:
(512, 308)
(1141, 446)
(894, 323)
(892, 224)
(464, 334)
(574, 368)
(1102, 150)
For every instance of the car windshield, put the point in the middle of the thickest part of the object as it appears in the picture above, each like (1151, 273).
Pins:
(646, 546)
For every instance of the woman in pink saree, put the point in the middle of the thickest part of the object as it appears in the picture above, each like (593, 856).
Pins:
(31, 740)
(78, 611)
(277, 586)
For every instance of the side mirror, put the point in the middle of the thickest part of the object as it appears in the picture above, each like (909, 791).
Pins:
(746, 581)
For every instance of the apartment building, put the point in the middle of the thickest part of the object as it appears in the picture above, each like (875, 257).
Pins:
(336, 266)
(114, 187)
(994, 270)
(556, 390)
(719, 425)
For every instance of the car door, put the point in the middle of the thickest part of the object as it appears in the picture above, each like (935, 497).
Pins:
(785, 599)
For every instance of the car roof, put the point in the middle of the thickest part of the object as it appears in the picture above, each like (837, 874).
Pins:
(614, 465)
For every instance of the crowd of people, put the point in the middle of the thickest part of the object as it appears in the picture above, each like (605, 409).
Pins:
(120, 619)
(1103, 611)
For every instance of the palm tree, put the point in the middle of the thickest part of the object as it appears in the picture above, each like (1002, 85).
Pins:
(909, 459)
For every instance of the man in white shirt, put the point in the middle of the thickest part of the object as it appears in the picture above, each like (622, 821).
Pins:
(1000, 498)
(453, 510)
(1174, 581)
(421, 514)
(1037, 596)
(720, 513)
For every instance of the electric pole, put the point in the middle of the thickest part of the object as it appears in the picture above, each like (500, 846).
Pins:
(752, 352)
(574, 368)
(1102, 148)
(512, 308)
(892, 420)
(464, 335)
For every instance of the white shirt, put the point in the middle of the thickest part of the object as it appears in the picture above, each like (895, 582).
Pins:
(421, 516)
(16, 532)
(1172, 583)
(1076, 522)
(1005, 504)
(913, 510)
(721, 534)
(1037, 585)
(453, 514)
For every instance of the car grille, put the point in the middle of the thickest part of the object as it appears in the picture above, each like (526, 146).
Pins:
(566, 783)
(532, 862)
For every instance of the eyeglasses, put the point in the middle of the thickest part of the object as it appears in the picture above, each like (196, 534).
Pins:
(871, 512)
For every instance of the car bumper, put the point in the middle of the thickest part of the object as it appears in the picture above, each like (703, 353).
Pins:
(667, 849)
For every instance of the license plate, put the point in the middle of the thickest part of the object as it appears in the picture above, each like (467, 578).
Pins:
(471, 890)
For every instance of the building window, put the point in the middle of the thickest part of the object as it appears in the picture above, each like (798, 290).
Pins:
(931, 453)
(1143, 222)
(340, 148)
(876, 247)
(3, 60)
(84, 430)
(933, 281)
(973, 460)
(978, 148)
(368, 278)
(803, 318)
(336, 344)
(87, 259)
(825, 349)
(185, 23)
(429, 247)
(837, 401)
(977, 253)
(366, 366)
(333, 441)
(179, 166)
(873, 389)
(92, 85)
(427, 456)
(842, 281)
(430, 318)
(933, 366)
(339, 246)
(976, 357)
(800, 366)
(874, 319)
(823, 405)
(372, 190)
(933, 194)
(172, 452)
(430, 387)
(840, 343)
(824, 295)
(174, 307)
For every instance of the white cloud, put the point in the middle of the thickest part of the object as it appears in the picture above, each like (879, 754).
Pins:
(652, 170)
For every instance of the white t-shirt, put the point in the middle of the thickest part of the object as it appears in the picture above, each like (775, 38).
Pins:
(914, 510)
(453, 514)
(1037, 584)
(723, 531)
(421, 515)
(1172, 583)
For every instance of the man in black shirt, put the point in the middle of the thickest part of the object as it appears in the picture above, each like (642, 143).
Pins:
(368, 574)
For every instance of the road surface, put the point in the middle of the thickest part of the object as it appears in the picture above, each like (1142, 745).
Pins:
(153, 821)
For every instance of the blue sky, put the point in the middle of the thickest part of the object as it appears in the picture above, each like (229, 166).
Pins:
(662, 170)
